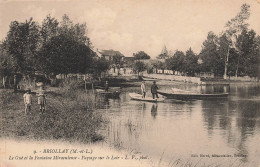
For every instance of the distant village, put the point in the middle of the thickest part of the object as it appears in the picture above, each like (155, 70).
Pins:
(124, 66)
(58, 49)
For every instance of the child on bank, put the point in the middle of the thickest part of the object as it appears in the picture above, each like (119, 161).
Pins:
(41, 99)
(27, 98)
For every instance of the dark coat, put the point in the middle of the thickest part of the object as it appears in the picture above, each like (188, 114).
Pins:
(106, 87)
(154, 88)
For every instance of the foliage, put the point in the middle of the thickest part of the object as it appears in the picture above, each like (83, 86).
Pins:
(138, 67)
(100, 65)
(176, 62)
(64, 55)
(159, 65)
(52, 48)
(117, 61)
(162, 56)
(190, 63)
(141, 55)
(210, 56)
(22, 44)
(234, 28)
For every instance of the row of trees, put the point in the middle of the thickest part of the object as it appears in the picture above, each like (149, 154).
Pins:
(52, 48)
(220, 58)
(235, 52)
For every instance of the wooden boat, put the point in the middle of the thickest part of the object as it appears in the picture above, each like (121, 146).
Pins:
(187, 96)
(138, 97)
(110, 88)
(180, 91)
(148, 79)
(110, 93)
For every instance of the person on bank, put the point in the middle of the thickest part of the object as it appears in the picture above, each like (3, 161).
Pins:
(42, 99)
(154, 89)
(143, 89)
(106, 86)
(27, 98)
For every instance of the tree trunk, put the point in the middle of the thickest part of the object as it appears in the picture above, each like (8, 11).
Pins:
(237, 66)
(226, 65)
(15, 80)
(4, 82)
(9, 82)
(85, 80)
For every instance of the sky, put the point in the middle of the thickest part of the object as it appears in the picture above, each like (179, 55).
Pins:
(130, 26)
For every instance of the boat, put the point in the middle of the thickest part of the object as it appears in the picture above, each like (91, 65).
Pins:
(187, 96)
(180, 91)
(110, 93)
(135, 96)
(148, 79)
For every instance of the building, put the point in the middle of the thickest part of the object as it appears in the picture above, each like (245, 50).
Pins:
(128, 61)
(111, 54)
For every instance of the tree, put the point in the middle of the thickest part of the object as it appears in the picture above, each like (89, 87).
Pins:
(190, 63)
(252, 59)
(75, 31)
(159, 65)
(22, 43)
(141, 55)
(138, 67)
(245, 47)
(65, 48)
(234, 27)
(5, 64)
(100, 65)
(212, 60)
(176, 62)
(162, 56)
(63, 55)
(49, 28)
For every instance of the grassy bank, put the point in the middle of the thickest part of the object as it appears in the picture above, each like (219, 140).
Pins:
(70, 115)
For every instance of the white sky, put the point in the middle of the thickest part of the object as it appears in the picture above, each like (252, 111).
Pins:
(133, 25)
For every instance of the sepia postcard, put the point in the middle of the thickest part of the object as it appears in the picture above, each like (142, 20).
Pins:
(130, 83)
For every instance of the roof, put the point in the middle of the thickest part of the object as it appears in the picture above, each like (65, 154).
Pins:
(129, 58)
(110, 53)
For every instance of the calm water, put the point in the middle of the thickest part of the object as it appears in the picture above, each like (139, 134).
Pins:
(178, 131)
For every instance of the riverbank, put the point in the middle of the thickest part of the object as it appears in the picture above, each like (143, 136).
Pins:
(69, 116)
(198, 80)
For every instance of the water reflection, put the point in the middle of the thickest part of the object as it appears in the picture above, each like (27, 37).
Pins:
(216, 126)
(154, 110)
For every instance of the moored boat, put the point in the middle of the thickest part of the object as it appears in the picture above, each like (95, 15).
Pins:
(148, 79)
(110, 93)
(138, 97)
(187, 96)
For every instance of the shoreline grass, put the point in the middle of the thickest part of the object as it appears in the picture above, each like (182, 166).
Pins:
(70, 115)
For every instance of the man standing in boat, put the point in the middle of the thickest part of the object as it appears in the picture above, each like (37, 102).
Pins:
(154, 89)
(143, 89)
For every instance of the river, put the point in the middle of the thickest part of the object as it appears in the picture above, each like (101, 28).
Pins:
(211, 132)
